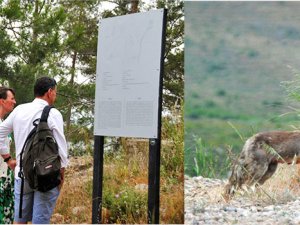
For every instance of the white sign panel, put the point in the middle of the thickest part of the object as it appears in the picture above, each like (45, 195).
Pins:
(128, 75)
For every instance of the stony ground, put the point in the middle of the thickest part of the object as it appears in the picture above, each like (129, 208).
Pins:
(72, 205)
(276, 202)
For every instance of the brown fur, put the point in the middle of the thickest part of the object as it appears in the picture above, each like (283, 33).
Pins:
(260, 156)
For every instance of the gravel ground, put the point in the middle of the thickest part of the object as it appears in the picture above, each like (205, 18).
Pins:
(204, 205)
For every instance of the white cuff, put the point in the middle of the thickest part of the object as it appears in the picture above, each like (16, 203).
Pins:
(4, 151)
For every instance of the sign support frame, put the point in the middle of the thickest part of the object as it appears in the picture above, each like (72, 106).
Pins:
(98, 179)
(154, 158)
(155, 145)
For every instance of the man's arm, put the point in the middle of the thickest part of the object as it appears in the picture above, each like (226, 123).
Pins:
(57, 127)
(11, 163)
(56, 124)
(62, 176)
(5, 129)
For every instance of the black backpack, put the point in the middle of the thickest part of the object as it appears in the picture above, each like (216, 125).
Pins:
(40, 165)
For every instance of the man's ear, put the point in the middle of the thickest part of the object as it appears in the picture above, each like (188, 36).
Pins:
(49, 93)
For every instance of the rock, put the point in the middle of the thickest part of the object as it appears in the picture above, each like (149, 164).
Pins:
(78, 210)
(141, 187)
(230, 209)
(269, 208)
(296, 220)
(57, 219)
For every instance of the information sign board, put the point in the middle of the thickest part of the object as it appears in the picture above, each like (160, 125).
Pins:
(128, 75)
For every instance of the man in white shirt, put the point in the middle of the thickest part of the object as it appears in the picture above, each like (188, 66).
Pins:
(37, 206)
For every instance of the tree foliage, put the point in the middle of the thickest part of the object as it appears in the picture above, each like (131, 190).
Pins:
(79, 49)
(174, 72)
(58, 38)
(33, 29)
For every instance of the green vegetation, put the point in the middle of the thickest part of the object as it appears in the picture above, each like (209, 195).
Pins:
(126, 205)
(205, 161)
(58, 38)
(125, 182)
(237, 54)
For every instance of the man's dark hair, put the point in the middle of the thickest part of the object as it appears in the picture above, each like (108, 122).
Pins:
(42, 85)
(4, 90)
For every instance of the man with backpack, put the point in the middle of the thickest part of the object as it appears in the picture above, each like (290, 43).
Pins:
(37, 205)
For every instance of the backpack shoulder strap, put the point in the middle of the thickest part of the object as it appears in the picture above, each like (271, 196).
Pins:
(45, 113)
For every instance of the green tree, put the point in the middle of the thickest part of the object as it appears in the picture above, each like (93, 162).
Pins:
(33, 28)
(174, 61)
(59, 38)
(79, 47)
(6, 50)
(39, 38)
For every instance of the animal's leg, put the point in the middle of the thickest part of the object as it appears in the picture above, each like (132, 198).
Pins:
(257, 166)
(271, 170)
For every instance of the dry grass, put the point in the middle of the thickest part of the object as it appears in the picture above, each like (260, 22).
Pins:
(282, 187)
(74, 204)
(123, 172)
(125, 182)
(172, 201)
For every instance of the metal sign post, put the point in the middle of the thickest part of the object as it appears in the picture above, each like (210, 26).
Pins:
(155, 144)
(135, 109)
(97, 179)
(154, 181)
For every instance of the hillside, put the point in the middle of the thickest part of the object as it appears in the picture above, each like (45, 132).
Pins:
(237, 54)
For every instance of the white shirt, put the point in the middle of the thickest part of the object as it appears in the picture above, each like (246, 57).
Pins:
(3, 165)
(20, 122)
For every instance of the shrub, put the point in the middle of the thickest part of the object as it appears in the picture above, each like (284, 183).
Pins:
(125, 204)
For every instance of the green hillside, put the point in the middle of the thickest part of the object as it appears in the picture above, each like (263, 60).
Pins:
(236, 56)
